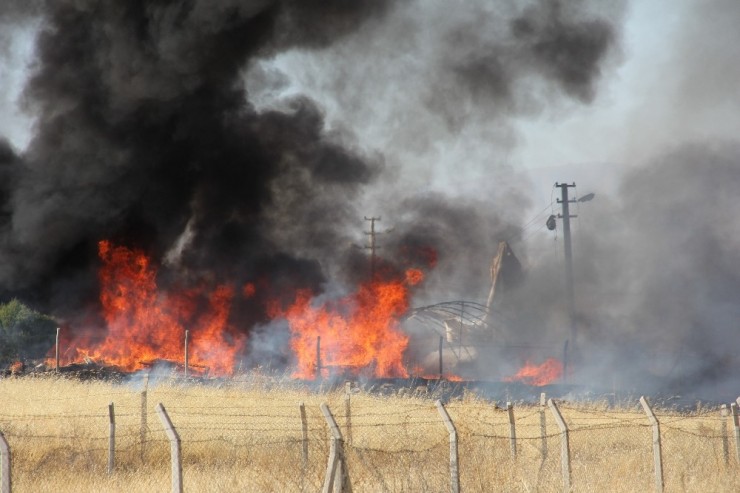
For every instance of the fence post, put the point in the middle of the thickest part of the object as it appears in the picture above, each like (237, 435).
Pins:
(725, 444)
(304, 433)
(111, 438)
(512, 429)
(174, 449)
(187, 355)
(56, 358)
(348, 412)
(736, 424)
(454, 469)
(318, 359)
(441, 343)
(143, 427)
(543, 426)
(5, 478)
(564, 444)
(337, 477)
(304, 445)
(657, 450)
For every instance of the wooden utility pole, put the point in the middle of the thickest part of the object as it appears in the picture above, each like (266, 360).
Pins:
(569, 289)
(187, 356)
(373, 245)
(318, 358)
(56, 366)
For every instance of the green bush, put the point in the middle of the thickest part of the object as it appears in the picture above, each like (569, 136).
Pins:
(24, 333)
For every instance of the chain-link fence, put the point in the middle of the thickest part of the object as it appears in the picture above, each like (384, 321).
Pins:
(64, 437)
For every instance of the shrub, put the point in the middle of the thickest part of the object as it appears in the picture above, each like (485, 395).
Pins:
(24, 333)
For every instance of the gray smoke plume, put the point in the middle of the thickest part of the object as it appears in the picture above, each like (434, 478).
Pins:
(653, 259)
(439, 90)
(656, 283)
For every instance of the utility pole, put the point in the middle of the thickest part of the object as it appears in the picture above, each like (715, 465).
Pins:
(569, 289)
(373, 246)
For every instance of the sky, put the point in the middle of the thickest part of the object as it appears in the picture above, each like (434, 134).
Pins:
(451, 120)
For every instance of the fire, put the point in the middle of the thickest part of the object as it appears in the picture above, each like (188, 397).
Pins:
(450, 377)
(538, 375)
(414, 276)
(453, 378)
(359, 331)
(17, 367)
(145, 324)
(249, 290)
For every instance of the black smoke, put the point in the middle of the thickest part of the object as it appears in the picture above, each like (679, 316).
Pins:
(145, 133)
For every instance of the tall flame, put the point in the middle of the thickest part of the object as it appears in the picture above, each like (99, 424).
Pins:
(358, 332)
(145, 324)
(546, 373)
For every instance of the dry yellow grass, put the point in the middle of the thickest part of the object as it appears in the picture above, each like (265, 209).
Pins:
(246, 436)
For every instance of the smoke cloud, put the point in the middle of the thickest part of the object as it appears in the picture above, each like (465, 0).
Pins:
(244, 141)
(145, 132)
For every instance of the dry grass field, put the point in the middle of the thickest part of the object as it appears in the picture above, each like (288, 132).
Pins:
(246, 435)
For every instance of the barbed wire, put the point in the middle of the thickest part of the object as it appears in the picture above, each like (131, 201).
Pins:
(403, 437)
(434, 445)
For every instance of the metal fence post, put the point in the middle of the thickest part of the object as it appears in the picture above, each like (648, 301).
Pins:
(111, 438)
(337, 477)
(723, 431)
(5, 478)
(543, 426)
(143, 424)
(564, 444)
(512, 429)
(657, 449)
(454, 467)
(175, 454)
(348, 412)
(736, 425)
(304, 433)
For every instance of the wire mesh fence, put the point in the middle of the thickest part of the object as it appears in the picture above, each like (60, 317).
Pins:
(394, 447)
(237, 438)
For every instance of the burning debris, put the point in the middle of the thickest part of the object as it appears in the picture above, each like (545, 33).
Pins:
(360, 331)
(146, 324)
(538, 375)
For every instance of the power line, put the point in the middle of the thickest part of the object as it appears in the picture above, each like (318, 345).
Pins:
(536, 216)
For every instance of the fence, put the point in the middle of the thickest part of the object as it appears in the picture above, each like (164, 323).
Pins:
(98, 437)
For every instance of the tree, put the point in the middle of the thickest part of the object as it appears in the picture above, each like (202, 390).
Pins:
(24, 333)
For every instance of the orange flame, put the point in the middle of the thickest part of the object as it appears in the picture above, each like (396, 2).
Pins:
(249, 290)
(538, 375)
(145, 324)
(414, 276)
(450, 377)
(360, 331)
